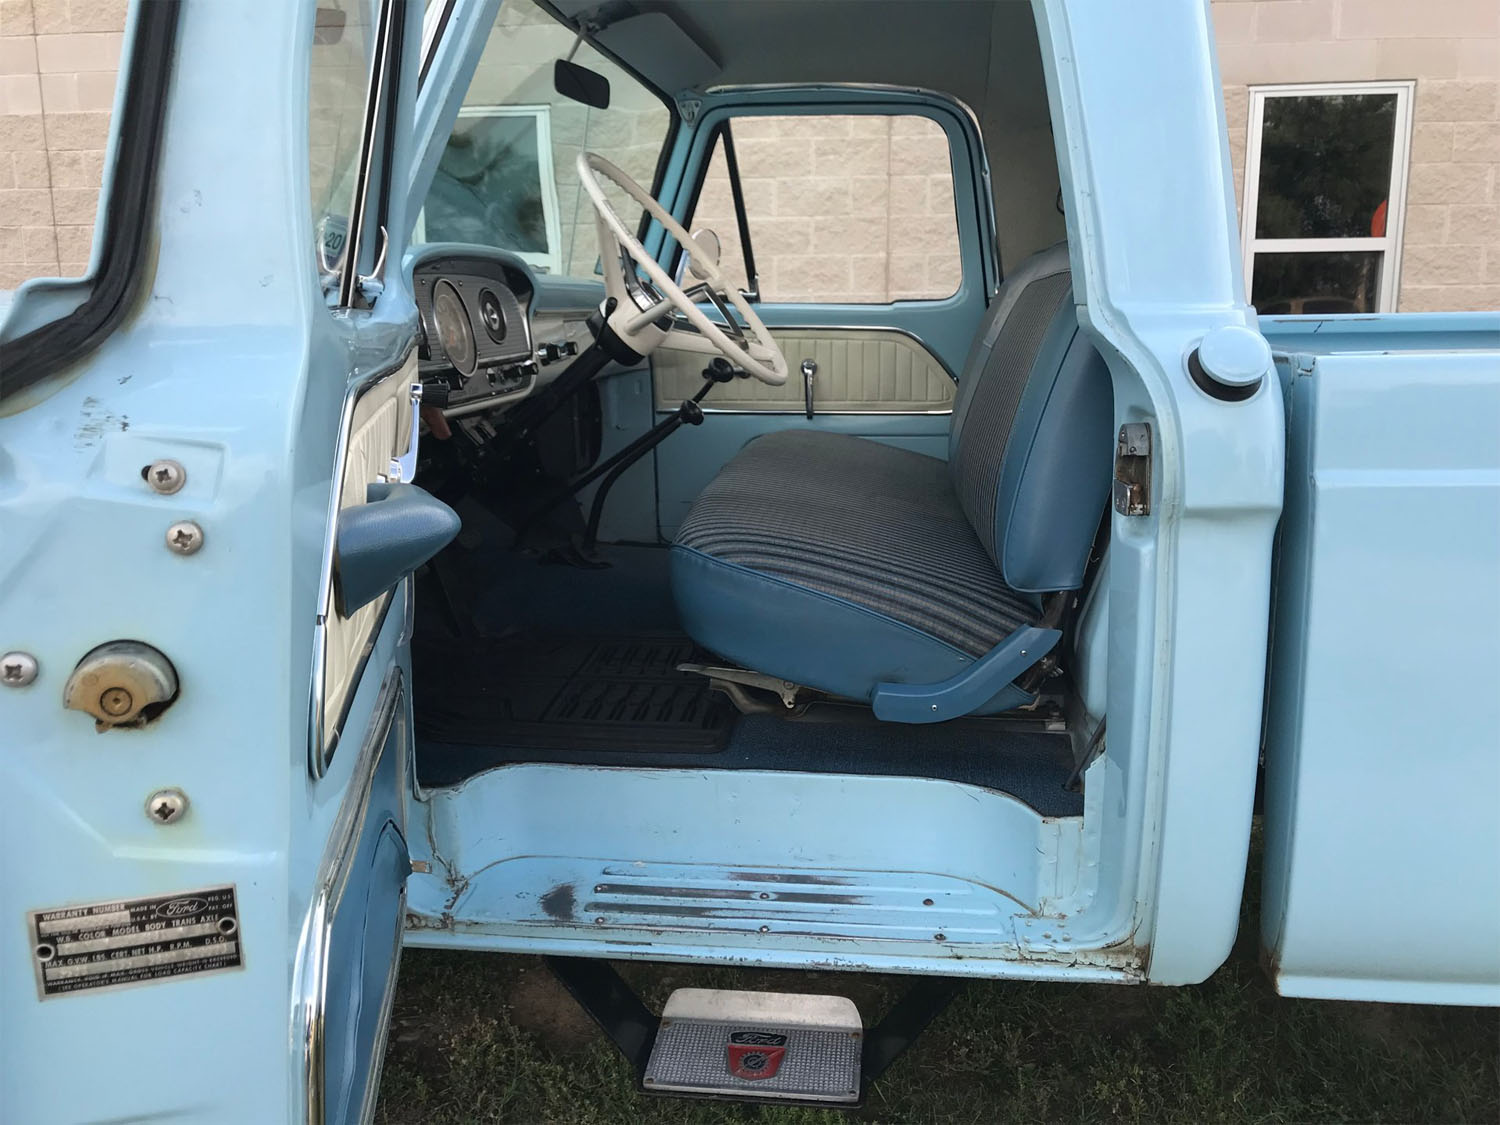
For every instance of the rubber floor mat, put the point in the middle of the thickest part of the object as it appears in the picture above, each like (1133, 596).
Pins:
(539, 690)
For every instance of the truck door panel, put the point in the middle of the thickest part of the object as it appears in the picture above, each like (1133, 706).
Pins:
(351, 947)
(1382, 877)
(859, 371)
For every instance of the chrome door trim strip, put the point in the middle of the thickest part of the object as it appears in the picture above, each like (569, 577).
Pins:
(310, 971)
(322, 736)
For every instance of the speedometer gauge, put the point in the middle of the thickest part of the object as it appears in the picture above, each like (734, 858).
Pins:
(455, 332)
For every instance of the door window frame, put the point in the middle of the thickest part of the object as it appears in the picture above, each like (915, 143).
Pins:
(1389, 245)
(720, 124)
(376, 167)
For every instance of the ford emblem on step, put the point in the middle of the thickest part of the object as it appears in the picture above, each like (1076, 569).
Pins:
(755, 1054)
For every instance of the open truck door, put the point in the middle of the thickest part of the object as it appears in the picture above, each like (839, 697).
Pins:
(211, 730)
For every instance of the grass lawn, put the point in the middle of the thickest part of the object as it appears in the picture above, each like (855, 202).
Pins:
(488, 1038)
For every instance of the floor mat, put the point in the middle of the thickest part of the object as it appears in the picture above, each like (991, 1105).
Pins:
(1031, 765)
(535, 690)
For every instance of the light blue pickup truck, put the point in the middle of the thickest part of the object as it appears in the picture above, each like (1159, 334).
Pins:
(427, 525)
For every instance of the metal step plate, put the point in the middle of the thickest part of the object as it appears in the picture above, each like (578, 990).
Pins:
(773, 1045)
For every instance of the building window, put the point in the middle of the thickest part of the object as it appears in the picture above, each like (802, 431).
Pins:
(1325, 191)
(496, 186)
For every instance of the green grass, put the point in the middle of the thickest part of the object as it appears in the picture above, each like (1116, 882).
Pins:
(488, 1038)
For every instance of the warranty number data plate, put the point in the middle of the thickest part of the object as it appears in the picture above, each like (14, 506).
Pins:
(135, 940)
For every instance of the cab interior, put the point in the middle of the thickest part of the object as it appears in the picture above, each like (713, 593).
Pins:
(750, 638)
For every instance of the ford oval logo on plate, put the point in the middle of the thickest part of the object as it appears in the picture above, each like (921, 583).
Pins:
(181, 908)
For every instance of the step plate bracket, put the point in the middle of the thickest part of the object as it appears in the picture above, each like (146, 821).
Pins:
(758, 1045)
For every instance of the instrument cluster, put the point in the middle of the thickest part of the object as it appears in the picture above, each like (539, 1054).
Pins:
(475, 320)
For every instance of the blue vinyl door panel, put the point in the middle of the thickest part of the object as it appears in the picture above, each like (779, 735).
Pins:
(364, 935)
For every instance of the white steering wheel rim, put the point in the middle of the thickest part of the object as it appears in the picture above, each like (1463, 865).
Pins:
(762, 358)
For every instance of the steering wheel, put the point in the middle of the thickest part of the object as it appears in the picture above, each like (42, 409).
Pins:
(638, 315)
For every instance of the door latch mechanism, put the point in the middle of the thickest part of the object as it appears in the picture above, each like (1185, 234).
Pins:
(1133, 470)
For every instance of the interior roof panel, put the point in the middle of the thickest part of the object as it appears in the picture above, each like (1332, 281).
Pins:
(934, 44)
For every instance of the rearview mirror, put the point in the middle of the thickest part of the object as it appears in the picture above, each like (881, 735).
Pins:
(580, 84)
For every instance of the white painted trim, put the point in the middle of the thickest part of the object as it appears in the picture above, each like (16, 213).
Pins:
(1395, 222)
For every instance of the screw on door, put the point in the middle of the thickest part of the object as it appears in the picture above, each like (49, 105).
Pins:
(184, 537)
(165, 476)
(17, 669)
(167, 806)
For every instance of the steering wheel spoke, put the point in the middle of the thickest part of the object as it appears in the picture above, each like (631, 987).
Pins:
(749, 346)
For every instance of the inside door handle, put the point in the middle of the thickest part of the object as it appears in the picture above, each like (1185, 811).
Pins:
(809, 369)
(381, 541)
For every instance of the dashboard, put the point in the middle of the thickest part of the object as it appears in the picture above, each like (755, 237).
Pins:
(480, 332)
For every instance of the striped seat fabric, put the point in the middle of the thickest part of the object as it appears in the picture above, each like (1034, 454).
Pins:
(868, 523)
(842, 563)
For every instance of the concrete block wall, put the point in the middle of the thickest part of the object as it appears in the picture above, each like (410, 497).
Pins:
(58, 60)
(1451, 248)
(57, 73)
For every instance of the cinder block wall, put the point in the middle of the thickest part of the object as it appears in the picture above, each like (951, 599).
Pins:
(58, 60)
(57, 74)
(1451, 249)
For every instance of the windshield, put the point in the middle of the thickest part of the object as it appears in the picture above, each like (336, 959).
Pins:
(507, 176)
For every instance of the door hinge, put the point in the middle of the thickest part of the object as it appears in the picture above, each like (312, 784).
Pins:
(1133, 470)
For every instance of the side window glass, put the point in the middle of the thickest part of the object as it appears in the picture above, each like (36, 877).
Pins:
(342, 54)
(507, 177)
(838, 208)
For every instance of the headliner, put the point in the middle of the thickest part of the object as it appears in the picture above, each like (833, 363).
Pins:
(945, 45)
(982, 52)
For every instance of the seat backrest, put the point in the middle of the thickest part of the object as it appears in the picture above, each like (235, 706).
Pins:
(1032, 442)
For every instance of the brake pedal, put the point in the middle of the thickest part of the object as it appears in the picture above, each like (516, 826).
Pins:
(759, 1045)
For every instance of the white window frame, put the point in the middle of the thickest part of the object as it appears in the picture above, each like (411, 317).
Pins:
(1395, 210)
(551, 260)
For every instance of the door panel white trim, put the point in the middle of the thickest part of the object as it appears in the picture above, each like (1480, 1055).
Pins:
(377, 429)
(860, 371)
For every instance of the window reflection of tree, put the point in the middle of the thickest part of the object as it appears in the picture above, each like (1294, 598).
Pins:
(488, 186)
(1325, 172)
(1325, 165)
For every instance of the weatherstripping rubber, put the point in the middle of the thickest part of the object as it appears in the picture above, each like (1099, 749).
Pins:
(128, 212)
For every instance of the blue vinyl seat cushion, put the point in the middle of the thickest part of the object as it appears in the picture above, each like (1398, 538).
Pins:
(853, 558)
(845, 564)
